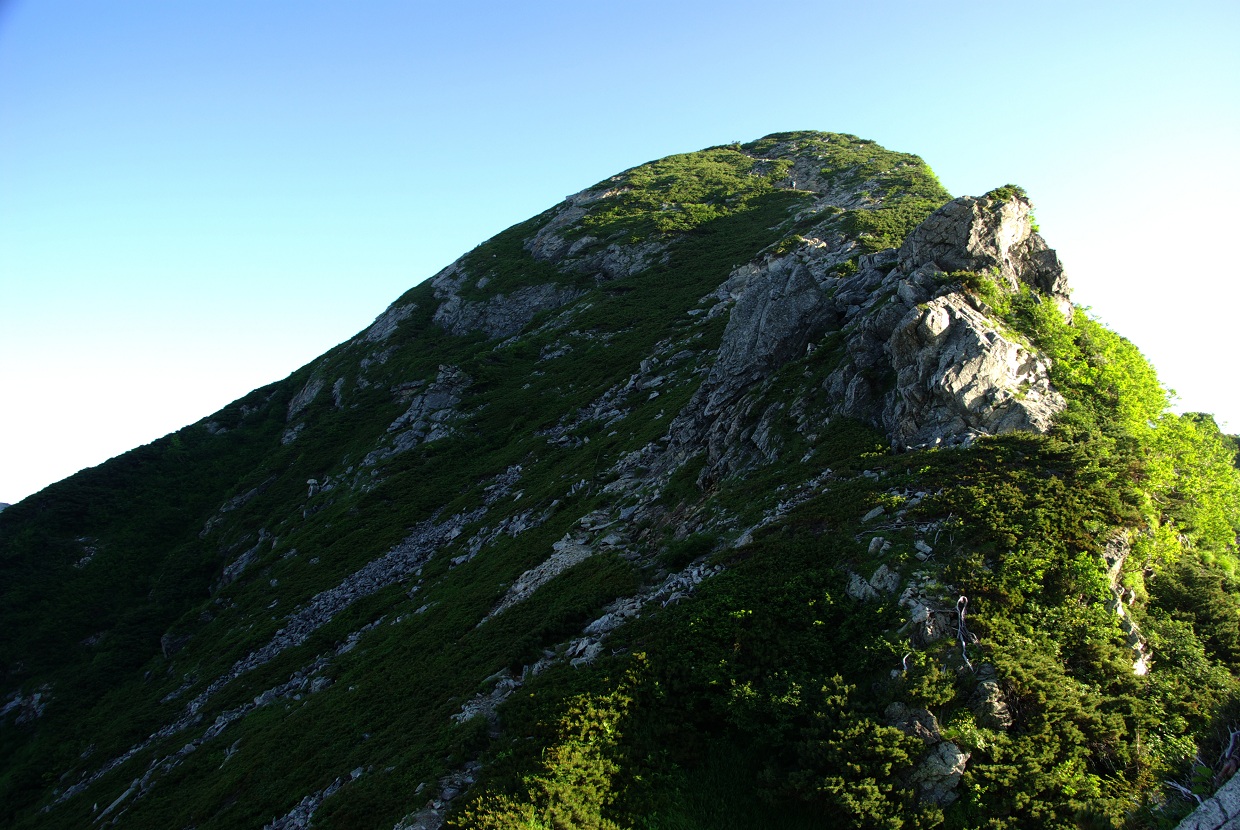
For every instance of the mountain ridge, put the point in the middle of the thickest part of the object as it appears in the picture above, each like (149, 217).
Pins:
(780, 426)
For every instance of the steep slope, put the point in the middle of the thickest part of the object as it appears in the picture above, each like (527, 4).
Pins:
(746, 488)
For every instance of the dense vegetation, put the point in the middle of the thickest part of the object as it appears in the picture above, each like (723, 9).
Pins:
(766, 699)
(773, 674)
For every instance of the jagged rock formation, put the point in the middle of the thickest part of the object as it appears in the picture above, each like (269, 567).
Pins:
(956, 374)
(385, 324)
(664, 432)
(923, 362)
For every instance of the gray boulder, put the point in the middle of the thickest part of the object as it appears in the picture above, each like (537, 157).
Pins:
(924, 362)
(859, 589)
(938, 774)
(957, 375)
(992, 235)
(989, 702)
(914, 721)
(1221, 811)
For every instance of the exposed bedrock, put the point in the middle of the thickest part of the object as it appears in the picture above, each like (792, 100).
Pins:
(922, 359)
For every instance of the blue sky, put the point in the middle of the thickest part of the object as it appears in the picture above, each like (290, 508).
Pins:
(196, 198)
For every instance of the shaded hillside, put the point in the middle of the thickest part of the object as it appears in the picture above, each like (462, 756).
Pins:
(760, 486)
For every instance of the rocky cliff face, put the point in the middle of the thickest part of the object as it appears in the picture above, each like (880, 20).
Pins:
(922, 359)
(956, 373)
(661, 432)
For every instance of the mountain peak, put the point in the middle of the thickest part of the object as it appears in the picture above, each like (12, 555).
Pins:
(766, 481)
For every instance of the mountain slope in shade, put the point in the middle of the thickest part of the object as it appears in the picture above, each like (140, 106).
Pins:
(760, 486)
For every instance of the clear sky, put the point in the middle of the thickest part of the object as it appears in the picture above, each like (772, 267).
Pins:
(197, 197)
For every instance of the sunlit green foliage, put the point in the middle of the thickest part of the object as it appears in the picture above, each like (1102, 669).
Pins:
(681, 192)
(574, 783)
(1179, 467)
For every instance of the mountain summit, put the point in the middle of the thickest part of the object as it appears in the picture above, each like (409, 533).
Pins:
(762, 486)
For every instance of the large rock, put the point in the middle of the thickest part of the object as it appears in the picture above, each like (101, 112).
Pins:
(780, 308)
(304, 397)
(914, 721)
(559, 240)
(431, 415)
(990, 234)
(1219, 812)
(938, 774)
(958, 375)
(883, 581)
(989, 702)
(385, 324)
(923, 361)
(922, 358)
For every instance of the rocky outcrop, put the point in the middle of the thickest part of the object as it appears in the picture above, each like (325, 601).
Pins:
(28, 707)
(1115, 553)
(957, 375)
(938, 774)
(993, 234)
(431, 816)
(234, 503)
(501, 315)
(170, 644)
(924, 362)
(385, 324)
(565, 554)
(234, 568)
(914, 721)
(883, 581)
(559, 241)
(932, 610)
(989, 702)
(301, 817)
(779, 308)
(430, 416)
(305, 397)
(779, 305)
